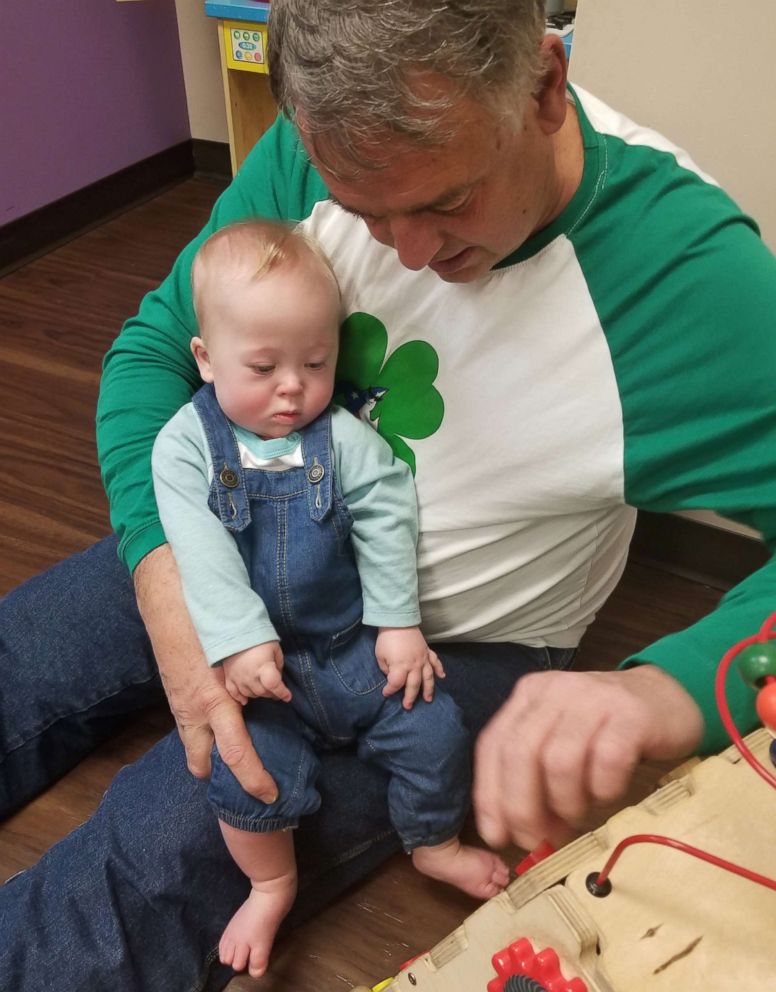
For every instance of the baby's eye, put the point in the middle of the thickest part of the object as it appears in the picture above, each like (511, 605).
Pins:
(315, 366)
(263, 369)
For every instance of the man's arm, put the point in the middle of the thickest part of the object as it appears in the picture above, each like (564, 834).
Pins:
(148, 374)
(694, 352)
(692, 655)
(202, 707)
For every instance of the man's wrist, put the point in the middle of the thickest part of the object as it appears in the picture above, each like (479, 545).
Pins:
(148, 567)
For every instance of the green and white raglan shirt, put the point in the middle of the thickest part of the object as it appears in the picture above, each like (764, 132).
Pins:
(624, 357)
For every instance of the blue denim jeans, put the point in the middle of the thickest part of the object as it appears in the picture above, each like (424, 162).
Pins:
(424, 751)
(135, 899)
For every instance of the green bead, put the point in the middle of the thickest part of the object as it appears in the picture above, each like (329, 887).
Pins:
(756, 661)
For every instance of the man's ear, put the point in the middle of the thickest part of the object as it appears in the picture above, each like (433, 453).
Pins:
(199, 351)
(551, 94)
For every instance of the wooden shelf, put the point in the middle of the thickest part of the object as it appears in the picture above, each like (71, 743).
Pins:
(250, 109)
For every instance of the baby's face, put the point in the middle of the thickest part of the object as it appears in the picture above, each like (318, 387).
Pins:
(273, 355)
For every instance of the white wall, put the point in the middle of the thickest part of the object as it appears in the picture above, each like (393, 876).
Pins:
(201, 71)
(703, 72)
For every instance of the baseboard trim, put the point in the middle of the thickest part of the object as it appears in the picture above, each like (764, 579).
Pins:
(50, 226)
(211, 159)
(718, 558)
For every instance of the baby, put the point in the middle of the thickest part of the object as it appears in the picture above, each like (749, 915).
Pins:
(294, 528)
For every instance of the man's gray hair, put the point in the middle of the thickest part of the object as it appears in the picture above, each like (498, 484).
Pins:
(351, 68)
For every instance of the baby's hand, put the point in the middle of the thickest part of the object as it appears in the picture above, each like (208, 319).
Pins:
(407, 661)
(255, 672)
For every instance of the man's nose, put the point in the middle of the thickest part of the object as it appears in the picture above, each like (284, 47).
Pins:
(415, 239)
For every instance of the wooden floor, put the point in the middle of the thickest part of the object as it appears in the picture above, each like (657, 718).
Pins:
(58, 315)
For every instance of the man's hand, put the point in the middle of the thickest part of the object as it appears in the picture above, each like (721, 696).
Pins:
(255, 673)
(202, 707)
(407, 662)
(566, 740)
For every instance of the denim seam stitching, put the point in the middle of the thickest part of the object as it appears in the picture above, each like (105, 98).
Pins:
(246, 821)
(348, 855)
(210, 959)
(70, 713)
(271, 497)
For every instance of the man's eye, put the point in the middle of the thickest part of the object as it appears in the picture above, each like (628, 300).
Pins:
(353, 213)
(456, 207)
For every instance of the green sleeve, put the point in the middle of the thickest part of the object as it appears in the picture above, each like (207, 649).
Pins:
(712, 445)
(685, 291)
(698, 388)
(692, 655)
(149, 372)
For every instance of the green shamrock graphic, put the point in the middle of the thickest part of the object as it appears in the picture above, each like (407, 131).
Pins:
(399, 393)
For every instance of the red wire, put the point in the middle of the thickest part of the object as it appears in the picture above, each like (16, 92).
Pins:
(679, 845)
(765, 632)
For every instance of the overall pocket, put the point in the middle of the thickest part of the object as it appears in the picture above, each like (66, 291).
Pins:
(352, 659)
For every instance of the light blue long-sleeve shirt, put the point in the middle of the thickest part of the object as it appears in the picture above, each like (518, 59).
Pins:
(377, 488)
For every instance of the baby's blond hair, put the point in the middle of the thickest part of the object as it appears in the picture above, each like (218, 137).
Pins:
(240, 255)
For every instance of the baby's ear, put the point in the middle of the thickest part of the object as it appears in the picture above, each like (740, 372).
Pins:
(199, 351)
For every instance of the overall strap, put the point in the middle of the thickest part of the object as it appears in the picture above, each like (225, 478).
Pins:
(318, 465)
(228, 486)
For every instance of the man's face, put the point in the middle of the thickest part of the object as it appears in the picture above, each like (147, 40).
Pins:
(458, 208)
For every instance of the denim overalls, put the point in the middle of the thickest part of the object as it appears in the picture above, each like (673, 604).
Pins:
(292, 529)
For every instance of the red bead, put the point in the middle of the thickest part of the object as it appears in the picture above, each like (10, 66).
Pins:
(766, 705)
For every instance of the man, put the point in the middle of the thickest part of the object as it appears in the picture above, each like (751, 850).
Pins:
(553, 317)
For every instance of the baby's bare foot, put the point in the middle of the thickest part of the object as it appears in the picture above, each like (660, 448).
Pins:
(250, 934)
(480, 873)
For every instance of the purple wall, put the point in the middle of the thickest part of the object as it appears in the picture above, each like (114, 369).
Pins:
(86, 89)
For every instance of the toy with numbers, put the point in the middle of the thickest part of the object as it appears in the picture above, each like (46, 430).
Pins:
(676, 893)
(245, 46)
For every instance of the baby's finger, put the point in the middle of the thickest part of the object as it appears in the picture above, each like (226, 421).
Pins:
(273, 684)
(236, 691)
(428, 683)
(395, 679)
(282, 692)
(412, 689)
(436, 663)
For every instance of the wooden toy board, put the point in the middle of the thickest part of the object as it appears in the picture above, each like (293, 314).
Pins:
(671, 921)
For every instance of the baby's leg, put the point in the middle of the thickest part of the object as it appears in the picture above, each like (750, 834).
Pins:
(268, 861)
(480, 873)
